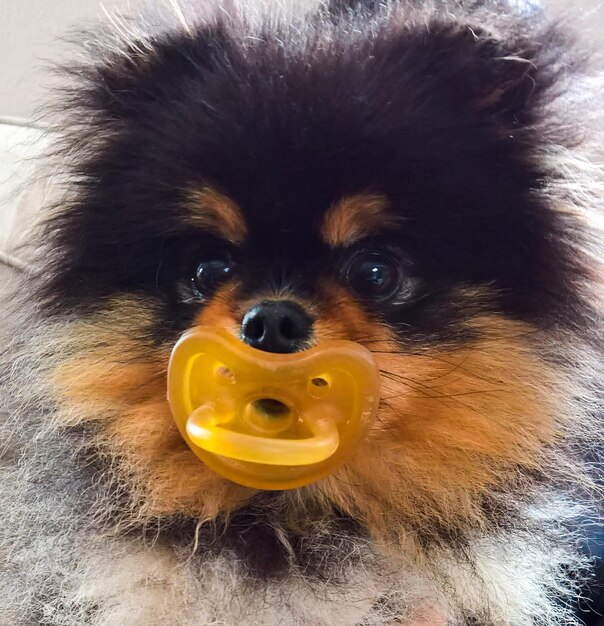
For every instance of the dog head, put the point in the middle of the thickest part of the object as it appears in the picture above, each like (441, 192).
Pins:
(386, 179)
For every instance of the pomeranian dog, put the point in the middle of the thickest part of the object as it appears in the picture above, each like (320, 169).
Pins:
(418, 179)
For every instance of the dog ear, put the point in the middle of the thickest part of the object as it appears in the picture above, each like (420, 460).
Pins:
(508, 77)
(128, 77)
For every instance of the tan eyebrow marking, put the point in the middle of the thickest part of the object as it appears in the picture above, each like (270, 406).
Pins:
(217, 213)
(353, 217)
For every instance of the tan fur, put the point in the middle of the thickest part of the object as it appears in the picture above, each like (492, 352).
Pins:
(122, 384)
(222, 311)
(354, 217)
(454, 423)
(217, 213)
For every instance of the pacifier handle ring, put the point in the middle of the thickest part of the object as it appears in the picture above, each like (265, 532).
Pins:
(205, 433)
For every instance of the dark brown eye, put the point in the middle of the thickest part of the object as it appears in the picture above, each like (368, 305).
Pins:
(373, 275)
(208, 276)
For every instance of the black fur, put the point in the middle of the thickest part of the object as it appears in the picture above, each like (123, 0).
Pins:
(252, 534)
(436, 120)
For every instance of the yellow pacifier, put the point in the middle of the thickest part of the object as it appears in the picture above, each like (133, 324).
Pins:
(267, 420)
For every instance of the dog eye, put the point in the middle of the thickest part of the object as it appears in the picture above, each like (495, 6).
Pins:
(373, 275)
(209, 274)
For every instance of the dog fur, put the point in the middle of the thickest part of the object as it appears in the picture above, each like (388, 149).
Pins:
(462, 139)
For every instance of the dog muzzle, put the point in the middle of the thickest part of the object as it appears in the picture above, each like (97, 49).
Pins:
(266, 420)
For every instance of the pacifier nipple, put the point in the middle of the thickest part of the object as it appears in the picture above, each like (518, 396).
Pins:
(270, 421)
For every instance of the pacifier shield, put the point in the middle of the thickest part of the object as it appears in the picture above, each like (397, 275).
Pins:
(266, 420)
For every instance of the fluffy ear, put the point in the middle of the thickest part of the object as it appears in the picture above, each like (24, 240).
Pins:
(507, 76)
(510, 77)
(127, 76)
(505, 71)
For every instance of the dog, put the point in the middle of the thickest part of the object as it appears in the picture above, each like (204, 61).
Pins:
(420, 179)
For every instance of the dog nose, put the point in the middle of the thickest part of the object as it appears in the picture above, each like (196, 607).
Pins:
(276, 326)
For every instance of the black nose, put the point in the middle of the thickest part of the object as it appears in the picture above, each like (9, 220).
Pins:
(276, 326)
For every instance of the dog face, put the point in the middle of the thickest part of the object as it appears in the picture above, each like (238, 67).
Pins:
(368, 179)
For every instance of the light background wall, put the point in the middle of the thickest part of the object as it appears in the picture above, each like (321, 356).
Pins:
(30, 31)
